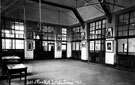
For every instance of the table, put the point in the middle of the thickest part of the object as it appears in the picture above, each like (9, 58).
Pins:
(16, 68)
(9, 60)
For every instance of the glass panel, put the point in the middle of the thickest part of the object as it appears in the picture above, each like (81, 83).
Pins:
(132, 20)
(73, 45)
(19, 44)
(50, 47)
(64, 37)
(77, 45)
(44, 44)
(119, 33)
(125, 27)
(64, 31)
(8, 44)
(131, 46)
(3, 44)
(44, 29)
(132, 26)
(91, 45)
(125, 33)
(122, 45)
(131, 32)
(63, 47)
(120, 17)
(132, 14)
(126, 16)
(125, 21)
(97, 45)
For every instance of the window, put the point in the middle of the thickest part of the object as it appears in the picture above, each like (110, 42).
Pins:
(76, 33)
(97, 33)
(126, 25)
(12, 35)
(12, 44)
(48, 33)
(97, 29)
(64, 34)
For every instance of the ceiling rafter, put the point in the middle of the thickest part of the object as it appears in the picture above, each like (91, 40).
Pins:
(77, 14)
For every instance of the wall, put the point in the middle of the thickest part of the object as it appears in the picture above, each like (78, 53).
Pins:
(58, 52)
(111, 56)
(69, 40)
(84, 48)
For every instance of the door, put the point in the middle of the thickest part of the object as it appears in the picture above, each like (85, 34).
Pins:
(64, 51)
(51, 51)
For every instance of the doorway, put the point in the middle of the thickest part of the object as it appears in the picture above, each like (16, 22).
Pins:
(64, 51)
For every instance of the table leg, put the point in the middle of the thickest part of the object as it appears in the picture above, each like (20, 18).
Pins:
(20, 75)
(9, 79)
(25, 77)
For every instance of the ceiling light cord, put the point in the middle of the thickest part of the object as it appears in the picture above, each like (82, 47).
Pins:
(40, 15)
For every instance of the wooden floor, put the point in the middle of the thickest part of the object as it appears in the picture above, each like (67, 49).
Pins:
(72, 72)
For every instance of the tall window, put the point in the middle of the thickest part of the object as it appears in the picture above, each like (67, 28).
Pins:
(97, 35)
(97, 29)
(64, 34)
(48, 37)
(76, 38)
(126, 25)
(12, 35)
(48, 33)
(76, 33)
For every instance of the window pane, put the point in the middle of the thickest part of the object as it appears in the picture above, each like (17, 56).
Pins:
(91, 45)
(3, 44)
(73, 45)
(131, 46)
(19, 44)
(44, 44)
(8, 44)
(77, 45)
(63, 47)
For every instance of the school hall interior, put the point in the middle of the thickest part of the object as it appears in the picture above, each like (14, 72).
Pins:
(67, 42)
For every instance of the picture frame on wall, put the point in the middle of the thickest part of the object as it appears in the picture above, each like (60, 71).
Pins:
(83, 35)
(109, 32)
(109, 46)
(29, 35)
(58, 45)
(29, 45)
(83, 43)
(58, 37)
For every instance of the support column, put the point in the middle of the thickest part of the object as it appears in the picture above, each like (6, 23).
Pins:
(84, 43)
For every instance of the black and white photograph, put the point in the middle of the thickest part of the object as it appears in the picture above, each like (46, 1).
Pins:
(109, 32)
(109, 46)
(29, 45)
(67, 42)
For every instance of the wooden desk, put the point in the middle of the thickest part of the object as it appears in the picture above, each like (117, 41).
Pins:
(16, 68)
(9, 60)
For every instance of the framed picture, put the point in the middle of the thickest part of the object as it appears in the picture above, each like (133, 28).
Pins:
(29, 35)
(58, 45)
(29, 45)
(83, 35)
(109, 32)
(83, 43)
(58, 37)
(109, 46)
